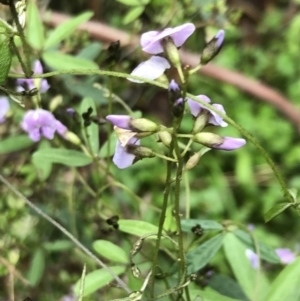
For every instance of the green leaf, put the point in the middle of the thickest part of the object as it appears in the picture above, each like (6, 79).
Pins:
(5, 60)
(110, 251)
(5, 27)
(170, 222)
(286, 285)
(104, 153)
(134, 2)
(251, 282)
(58, 245)
(91, 51)
(63, 156)
(136, 227)
(207, 225)
(37, 267)
(97, 279)
(276, 210)
(14, 143)
(62, 31)
(34, 27)
(91, 132)
(266, 252)
(133, 14)
(43, 167)
(58, 61)
(199, 257)
(208, 295)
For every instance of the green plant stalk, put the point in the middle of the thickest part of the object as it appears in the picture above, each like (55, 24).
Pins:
(27, 65)
(16, 51)
(161, 220)
(120, 282)
(109, 132)
(164, 86)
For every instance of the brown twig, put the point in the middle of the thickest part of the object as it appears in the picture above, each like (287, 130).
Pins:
(267, 94)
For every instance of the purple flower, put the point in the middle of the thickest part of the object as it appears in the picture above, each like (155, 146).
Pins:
(151, 40)
(39, 123)
(150, 69)
(41, 84)
(220, 38)
(214, 118)
(122, 158)
(230, 143)
(286, 255)
(4, 107)
(173, 86)
(70, 111)
(121, 121)
(252, 256)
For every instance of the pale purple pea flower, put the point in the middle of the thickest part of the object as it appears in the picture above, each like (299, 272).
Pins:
(230, 143)
(4, 107)
(31, 83)
(173, 86)
(220, 38)
(121, 121)
(214, 118)
(151, 40)
(122, 159)
(252, 256)
(286, 255)
(150, 69)
(39, 123)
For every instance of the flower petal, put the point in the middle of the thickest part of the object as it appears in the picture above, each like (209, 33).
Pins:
(216, 119)
(122, 159)
(150, 69)
(253, 258)
(121, 121)
(195, 106)
(286, 255)
(4, 107)
(151, 41)
(230, 143)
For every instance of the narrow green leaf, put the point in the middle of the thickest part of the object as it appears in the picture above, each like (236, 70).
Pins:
(5, 60)
(34, 27)
(91, 51)
(136, 227)
(63, 156)
(58, 61)
(110, 251)
(97, 279)
(37, 267)
(255, 286)
(43, 167)
(286, 285)
(90, 132)
(14, 143)
(134, 2)
(199, 257)
(133, 14)
(266, 252)
(209, 295)
(207, 225)
(276, 210)
(62, 31)
(58, 245)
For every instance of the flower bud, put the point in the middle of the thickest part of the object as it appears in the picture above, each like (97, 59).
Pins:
(208, 139)
(193, 161)
(178, 107)
(143, 125)
(165, 137)
(174, 91)
(171, 52)
(140, 151)
(201, 121)
(73, 138)
(55, 103)
(213, 47)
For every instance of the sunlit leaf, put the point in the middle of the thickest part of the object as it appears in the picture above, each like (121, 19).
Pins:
(110, 251)
(14, 143)
(5, 59)
(37, 267)
(136, 227)
(207, 225)
(97, 279)
(133, 14)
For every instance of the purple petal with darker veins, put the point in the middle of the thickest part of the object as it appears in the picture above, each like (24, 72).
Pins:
(150, 69)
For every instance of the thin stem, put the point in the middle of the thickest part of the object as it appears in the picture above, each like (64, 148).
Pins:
(187, 147)
(120, 282)
(17, 53)
(165, 157)
(187, 195)
(27, 65)
(184, 135)
(162, 219)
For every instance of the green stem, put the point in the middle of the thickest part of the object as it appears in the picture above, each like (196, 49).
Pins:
(17, 53)
(187, 195)
(165, 157)
(27, 65)
(120, 282)
(161, 219)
